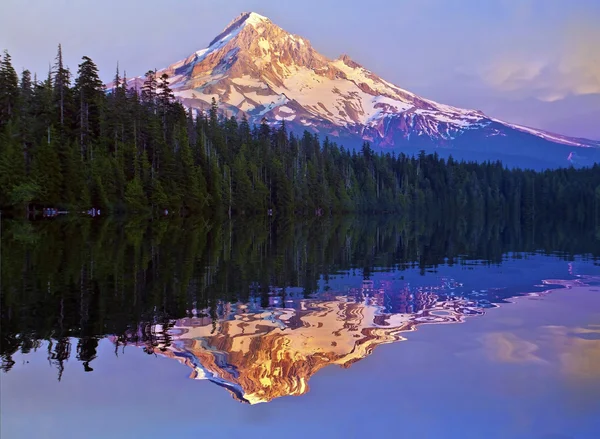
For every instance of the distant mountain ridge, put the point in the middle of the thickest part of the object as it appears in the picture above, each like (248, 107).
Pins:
(257, 68)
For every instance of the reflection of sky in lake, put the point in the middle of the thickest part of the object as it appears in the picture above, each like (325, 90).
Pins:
(515, 274)
(529, 369)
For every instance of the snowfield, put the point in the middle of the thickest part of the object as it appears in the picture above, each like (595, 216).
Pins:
(257, 68)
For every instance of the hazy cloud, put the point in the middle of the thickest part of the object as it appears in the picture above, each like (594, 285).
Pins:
(513, 72)
(581, 57)
(506, 347)
(572, 68)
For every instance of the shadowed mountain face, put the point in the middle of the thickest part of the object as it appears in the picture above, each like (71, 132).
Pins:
(258, 69)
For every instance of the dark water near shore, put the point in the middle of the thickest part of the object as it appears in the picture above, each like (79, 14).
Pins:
(335, 327)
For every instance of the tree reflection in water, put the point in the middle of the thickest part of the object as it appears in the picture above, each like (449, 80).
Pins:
(263, 288)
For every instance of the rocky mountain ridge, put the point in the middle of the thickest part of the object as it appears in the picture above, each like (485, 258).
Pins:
(256, 68)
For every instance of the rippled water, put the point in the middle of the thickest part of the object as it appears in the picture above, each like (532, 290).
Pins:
(259, 354)
(488, 332)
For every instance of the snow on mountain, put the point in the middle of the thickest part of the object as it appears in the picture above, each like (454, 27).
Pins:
(257, 68)
(551, 136)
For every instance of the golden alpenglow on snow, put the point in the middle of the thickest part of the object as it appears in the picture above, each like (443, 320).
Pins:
(259, 355)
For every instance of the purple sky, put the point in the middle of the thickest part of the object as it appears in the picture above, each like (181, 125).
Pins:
(534, 62)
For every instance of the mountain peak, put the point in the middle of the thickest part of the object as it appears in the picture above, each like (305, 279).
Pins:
(244, 19)
(253, 18)
(255, 67)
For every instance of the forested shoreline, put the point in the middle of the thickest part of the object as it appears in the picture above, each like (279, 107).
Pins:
(68, 143)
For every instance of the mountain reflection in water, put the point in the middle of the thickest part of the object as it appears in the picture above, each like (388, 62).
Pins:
(259, 306)
(259, 354)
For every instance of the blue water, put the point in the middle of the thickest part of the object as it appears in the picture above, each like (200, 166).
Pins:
(346, 328)
(527, 366)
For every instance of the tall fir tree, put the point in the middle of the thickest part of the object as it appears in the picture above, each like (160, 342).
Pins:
(9, 89)
(61, 86)
(89, 91)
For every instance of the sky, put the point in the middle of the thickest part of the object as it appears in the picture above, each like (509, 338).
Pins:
(533, 62)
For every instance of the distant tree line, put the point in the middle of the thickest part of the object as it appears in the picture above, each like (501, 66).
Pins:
(67, 142)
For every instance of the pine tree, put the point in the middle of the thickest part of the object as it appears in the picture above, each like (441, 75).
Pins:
(74, 185)
(158, 198)
(12, 167)
(192, 181)
(46, 169)
(244, 128)
(134, 196)
(61, 85)
(42, 110)
(164, 97)
(242, 188)
(90, 96)
(9, 89)
(26, 116)
(149, 89)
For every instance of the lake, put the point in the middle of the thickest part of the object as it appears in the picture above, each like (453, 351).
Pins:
(351, 327)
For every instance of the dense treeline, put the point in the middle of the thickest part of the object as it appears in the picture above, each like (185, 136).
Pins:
(88, 278)
(67, 142)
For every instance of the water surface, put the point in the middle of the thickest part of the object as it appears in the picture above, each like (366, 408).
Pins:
(341, 327)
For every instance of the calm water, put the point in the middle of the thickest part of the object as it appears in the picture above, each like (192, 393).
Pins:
(338, 327)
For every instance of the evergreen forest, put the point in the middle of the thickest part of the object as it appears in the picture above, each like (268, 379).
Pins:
(68, 143)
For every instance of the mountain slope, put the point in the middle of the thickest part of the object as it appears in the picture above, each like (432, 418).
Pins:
(257, 68)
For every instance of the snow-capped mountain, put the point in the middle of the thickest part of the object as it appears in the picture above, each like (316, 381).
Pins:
(257, 68)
